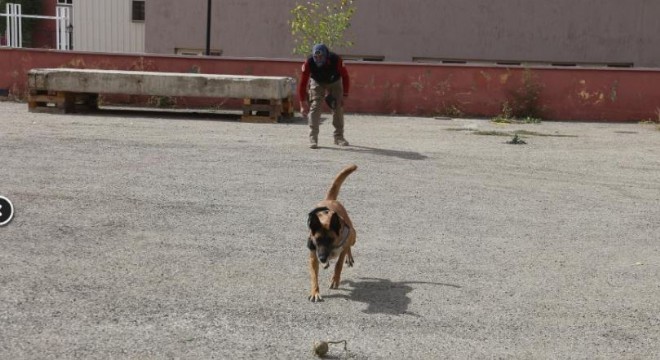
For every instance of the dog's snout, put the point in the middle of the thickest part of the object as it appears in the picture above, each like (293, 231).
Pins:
(324, 258)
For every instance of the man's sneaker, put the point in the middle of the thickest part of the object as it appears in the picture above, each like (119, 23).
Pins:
(341, 142)
(313, 143)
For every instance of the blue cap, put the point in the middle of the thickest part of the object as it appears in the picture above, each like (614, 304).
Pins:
(320, 54)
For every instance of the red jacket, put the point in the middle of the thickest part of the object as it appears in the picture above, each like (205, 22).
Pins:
(331, 71)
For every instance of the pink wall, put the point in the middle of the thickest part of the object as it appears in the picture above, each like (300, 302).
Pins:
(392, 88)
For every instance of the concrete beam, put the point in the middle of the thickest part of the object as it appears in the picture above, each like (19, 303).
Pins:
(160, 83)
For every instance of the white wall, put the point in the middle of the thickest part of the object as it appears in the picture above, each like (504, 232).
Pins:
(106, 26)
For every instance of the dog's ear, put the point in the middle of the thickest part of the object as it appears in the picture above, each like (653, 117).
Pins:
(313, 222)
(335, 223)
(310, 244)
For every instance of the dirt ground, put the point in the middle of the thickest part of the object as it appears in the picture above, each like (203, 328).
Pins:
(152, 235)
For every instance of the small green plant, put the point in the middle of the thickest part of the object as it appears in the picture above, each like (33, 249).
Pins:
(516, 140)
(506, 116)
(653, 121)
(525, 100)
(321, 21)
(531, 120)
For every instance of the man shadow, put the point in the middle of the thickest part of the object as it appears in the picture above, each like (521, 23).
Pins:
(383, 296)
(406, 155)
(293, 120)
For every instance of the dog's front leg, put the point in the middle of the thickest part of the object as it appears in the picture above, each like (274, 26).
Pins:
(314, 295)
(337, 275)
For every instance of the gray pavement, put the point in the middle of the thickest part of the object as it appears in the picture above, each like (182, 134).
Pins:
(155, 236)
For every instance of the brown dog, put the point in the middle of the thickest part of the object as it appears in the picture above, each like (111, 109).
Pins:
(331, 235)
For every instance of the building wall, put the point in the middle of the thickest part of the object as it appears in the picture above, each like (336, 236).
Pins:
(106, 26)
(591, 32)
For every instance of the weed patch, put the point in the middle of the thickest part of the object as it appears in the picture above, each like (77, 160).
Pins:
(516, 140)
(508, 133)
(522, 105)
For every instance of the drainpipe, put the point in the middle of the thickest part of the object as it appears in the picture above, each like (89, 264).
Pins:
(208, 28)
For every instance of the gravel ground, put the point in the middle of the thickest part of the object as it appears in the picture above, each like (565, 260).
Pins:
(152, 235)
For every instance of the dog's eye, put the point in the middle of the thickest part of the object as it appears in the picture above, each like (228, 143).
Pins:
(310, 244)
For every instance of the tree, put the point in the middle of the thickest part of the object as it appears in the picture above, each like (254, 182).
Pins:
(321, 21)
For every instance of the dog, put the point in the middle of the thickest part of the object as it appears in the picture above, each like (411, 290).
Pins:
(331, 235)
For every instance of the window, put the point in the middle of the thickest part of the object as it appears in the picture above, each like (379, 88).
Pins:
(137, 10)
(64, 2)
(363, 57)
(196, 52)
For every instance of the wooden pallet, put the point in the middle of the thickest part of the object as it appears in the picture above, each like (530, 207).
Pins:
(61, 102)
(266, 110)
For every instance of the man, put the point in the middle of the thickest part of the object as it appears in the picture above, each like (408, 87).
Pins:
(330, 83)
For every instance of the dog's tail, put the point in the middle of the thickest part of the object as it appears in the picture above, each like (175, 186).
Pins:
(336, 184)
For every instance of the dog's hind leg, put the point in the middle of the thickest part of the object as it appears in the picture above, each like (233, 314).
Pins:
(349, 258)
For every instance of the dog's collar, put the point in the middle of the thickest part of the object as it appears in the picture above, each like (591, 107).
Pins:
(345, 232)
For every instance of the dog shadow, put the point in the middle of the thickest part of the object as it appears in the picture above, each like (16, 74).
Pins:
(383, 296)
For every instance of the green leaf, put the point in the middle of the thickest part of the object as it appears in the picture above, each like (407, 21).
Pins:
(321, 21)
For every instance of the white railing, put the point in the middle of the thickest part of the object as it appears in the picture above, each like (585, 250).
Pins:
(13, 34)
(14, 16)
(64, 29)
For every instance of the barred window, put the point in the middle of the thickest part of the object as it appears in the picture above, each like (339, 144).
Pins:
(137, 13)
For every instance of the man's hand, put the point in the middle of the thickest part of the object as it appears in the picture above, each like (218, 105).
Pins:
(304, 108)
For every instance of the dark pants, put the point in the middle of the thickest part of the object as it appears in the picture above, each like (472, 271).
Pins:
(317, 93)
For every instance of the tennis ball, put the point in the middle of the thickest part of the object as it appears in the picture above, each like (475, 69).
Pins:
(320, 348)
